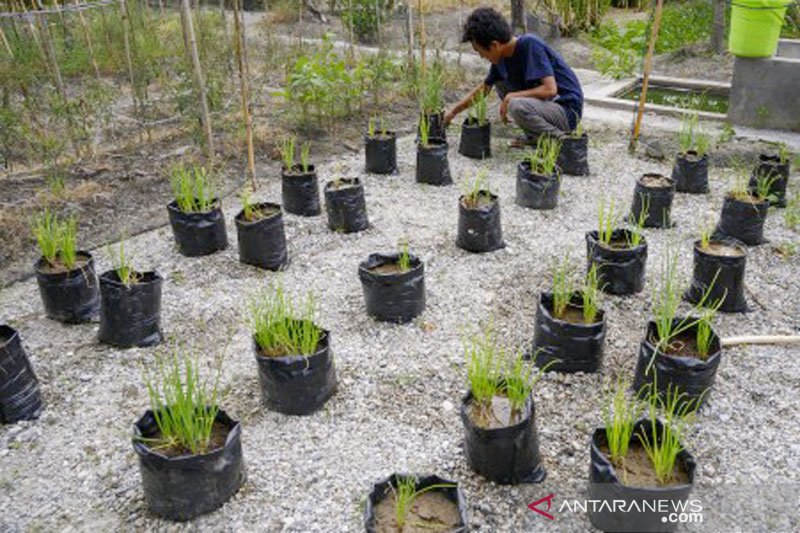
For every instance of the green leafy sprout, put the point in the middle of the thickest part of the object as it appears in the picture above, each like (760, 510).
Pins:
(57, 239)
(406, 492)
(305, 157)
(475, 187)
(424, 130)
(288, 149)
(479, 110)
(607, 221)
(543, 158)
(122, 266)
(403, 258)
(634, 236)
(620, 414)
(764, 182)
(563, 287)
(590, 294)
(282, 328)
(705, 334)
(791, 215)
(193, 189)
(692, 137)
(432, 101)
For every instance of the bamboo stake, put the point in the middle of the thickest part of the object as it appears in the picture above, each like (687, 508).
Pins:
(89, 44)
(648, 65)
(764, 339)
(189, 39)
(410, 31)
(422, 38)
(241, 45)
(50, 50)
(5, 42)
(123, 9)
(32, 29)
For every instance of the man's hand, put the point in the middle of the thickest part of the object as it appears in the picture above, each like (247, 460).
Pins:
(504, 107)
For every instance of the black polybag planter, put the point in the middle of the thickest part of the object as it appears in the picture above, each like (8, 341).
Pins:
(688, 375)
(71, 297)
(130, 316)
(743, 221)
(658, 200)
(380, 153)
(262, 242)
(605, 486)
(432, 165)
(300, 191)
(19, 388)
(573, 159)
(385, 489)
(479, 229)
(435, 126)
(507, 455)
(297, 384)
(183, 487)
(346, 206)
(621, 271)
(770, 165)
(476, 140)
(691, 173)
(397, 298)
(568, 346)
(536, 191)
(198, 234)
(726, 273)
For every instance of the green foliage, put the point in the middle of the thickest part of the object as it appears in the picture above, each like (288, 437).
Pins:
(305, 157)
(692, 137)
(288, 147)
(620, 414)
(406, 492)
(424, 130)
(282, 328)
(250, 211)
(590, 294)
(122, 266)
(575, 16)
(607, 221)
(543, 158)
(704, 332)
(764, 182)
(479, 109)
(193, 189)
(57, 239)
(431, 100)
(183, 405)
(791, 215)
(635, 234)
(403, 259)
(365, 16)
(563, 287)
(474, 188)
(727, 134)
(705, 235)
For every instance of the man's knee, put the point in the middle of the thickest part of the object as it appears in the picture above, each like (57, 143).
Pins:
(520, 110)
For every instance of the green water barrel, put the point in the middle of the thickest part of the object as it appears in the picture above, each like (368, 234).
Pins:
(756, 27)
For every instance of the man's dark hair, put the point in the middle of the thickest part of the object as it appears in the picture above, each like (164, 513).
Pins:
(485, 25)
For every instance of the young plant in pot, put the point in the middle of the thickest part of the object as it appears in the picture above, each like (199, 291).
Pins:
(479, 228)
(498, 413)
(570, 328)
(476, 132)
(432, 164)
(130, 314)
(538, 175)
(19, 388)
(294, 357)
(190, 450)
(406, 503)
(744, 212)
(380, 148)
(652, 196)
(719, 266)
(261, 235)
(432, 103)
(299, 187)
(196, 213)
(573, 156)
(619, 254)
(773, 166)
(394, 285)
(65, 275)
(640, 462)
(346, 205)
(691, 165)
(680, 353)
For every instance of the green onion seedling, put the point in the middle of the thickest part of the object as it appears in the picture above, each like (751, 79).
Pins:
(288, 148)
(620, 414)
(404, 495)
(193, 189)
(606, 221)
(563, 287)
(403, 258)
(474, 188)
(46, 230)
(424, 130)
(122, 266)
(305, 158)
(590, 294)
(282, 328)
(543, 158)
(634, 236)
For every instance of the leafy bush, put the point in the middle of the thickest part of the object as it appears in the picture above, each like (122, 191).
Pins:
(364, 17)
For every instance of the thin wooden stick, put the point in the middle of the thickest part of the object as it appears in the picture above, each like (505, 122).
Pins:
(762, 339)
(5, 42)
(126, 35)
(648, 65)
(50, 50)
(89, 44)
(241, 45)
(410, 31)
(189, 39)
(422, 38)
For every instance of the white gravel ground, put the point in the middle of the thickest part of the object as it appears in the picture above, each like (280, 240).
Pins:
(400, 386)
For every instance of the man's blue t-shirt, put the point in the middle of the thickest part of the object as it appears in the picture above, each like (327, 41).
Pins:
(533, 60)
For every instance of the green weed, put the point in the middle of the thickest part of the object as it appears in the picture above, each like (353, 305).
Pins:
(46, 229)
(432, 101)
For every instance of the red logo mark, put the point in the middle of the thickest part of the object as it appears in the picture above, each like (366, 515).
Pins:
(549, 500)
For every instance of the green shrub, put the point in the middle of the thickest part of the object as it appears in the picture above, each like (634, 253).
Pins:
(364, 17)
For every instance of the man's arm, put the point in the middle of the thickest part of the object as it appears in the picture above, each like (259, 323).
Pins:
(547, 90)
(465, 103)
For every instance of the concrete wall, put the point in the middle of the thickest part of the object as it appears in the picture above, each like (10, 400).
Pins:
(765, 92)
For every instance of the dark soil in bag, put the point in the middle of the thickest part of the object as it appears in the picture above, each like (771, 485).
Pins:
(185, 486)
(19, 388)
(433, 167)
(381, 153)
(390, 294)
(721, 266)
(691, 173)
(621, 269)
(346, 206)
(476, 141)
(262, 242)
(198, 234)
(771, 166)
(130, 316)
(656, 193)
(743, 220)
(536, 191)
(479, 228)
(300, 191)
(573, 159)
(70, 296)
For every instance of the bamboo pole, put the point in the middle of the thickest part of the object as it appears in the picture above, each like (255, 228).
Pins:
(5, 42)
(50, 51)
(241, 46)
(191, 50)
(32, 29)
(422, 37)
(89, 44)
(126, 36)
(760, 339)
(648, 65)
(410, 31)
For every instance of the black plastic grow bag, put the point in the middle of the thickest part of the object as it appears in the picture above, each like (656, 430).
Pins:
(689, 375)
(183, 487)
(346, 206)
(381, 153)
(300, 191)
(130, 316)
(621, 271)
(570, 347)
(507, 455)
(573, 159)
(743, 221)
(397, 297)
(387, 488)
(479, 229)
(432, 164)
(691, 173)
(71, 297)
(658, 201)
(262, 242)
(725, 272)
(297, 384)
(771, 166)
(19, 388)
(536, 191)
(606, 488)
(198, 234)
(476, 141)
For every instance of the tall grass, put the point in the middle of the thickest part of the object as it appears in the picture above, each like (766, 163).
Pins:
(281, 327)
(193, 189)
(57, 239)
